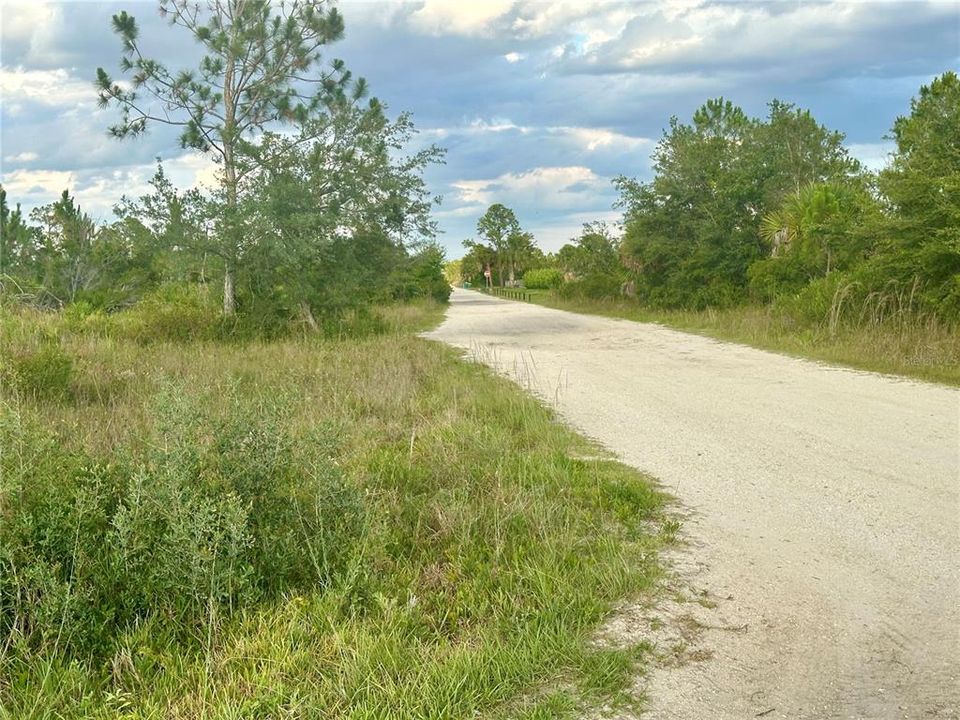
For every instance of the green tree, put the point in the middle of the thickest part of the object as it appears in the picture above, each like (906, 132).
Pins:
(258, 68)
(69, 235)
(422, 275)
(922, 185)
(177, 229)
(694, 230)
(594, 252)
(496, 227)
(453, 271)
(691, 232)
(823, 228)
(519, 250)
(78, 260)
(791, 150)
(331, 214)
(18, 246)
(478, 259)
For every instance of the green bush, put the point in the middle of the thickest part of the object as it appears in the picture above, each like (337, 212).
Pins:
(421, 275)
(543, 279)
(770, 278)
(820, 300)
(45, 371)
(172, 313)
(594, 287)
(195, 529)
(303, 519)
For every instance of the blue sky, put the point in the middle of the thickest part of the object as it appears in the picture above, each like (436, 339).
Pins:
(539, 104)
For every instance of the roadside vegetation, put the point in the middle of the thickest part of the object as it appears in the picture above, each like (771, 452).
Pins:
(767, 231)
(358, 526)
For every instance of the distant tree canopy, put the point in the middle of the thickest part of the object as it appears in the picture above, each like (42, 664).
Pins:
(330, 213)
(743, 210)
(503, 246)
(692, 232)
(63, 256)
(922, 185)
(595, 252)
(17, 240)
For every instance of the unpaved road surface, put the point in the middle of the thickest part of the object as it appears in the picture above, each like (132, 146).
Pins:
(822, 575)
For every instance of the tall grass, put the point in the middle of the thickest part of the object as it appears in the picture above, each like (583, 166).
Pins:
(365, 527)
(882, 331)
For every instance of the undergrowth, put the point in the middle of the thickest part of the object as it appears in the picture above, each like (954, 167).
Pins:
(302, 528)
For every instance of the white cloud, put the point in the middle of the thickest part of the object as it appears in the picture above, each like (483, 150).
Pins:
(592, 139)
(23, 184)
(379, 13)
(756, 37)
(23, 21)
(460, 212)
(444, 17)
(53, 88)
(35, 27)
(551, 236)
(584, 138)
(546, 187)
(192, 169)
(23, 157)
(514, 57)
(479, 126)
(874, 156)
(591, 21)
(97, 191)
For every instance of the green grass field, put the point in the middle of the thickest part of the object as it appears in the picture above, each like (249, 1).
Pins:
(367, 528)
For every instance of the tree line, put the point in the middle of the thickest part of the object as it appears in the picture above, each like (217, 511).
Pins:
(318, 207)
(772, 209)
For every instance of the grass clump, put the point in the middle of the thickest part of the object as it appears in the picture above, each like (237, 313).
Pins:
(44, 371)
(365, 527)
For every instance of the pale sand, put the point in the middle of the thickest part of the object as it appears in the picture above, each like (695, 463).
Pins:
(822, 511)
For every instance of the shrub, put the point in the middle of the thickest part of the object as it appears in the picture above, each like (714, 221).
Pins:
(819, 301)
(303, 519)
(45, 371)
(195, 529)
(773, 277)
(421, 275)
(172, 313)
(543, 279)
(595, 287)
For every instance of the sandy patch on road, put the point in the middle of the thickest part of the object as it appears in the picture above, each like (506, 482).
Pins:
(822, 574)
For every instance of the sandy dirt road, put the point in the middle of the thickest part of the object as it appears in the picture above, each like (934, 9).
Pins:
(822, 575)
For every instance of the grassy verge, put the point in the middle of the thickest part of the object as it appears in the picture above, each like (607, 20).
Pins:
(362, 528)
(923, 349)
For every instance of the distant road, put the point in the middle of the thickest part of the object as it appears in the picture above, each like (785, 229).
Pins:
(823, 509)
